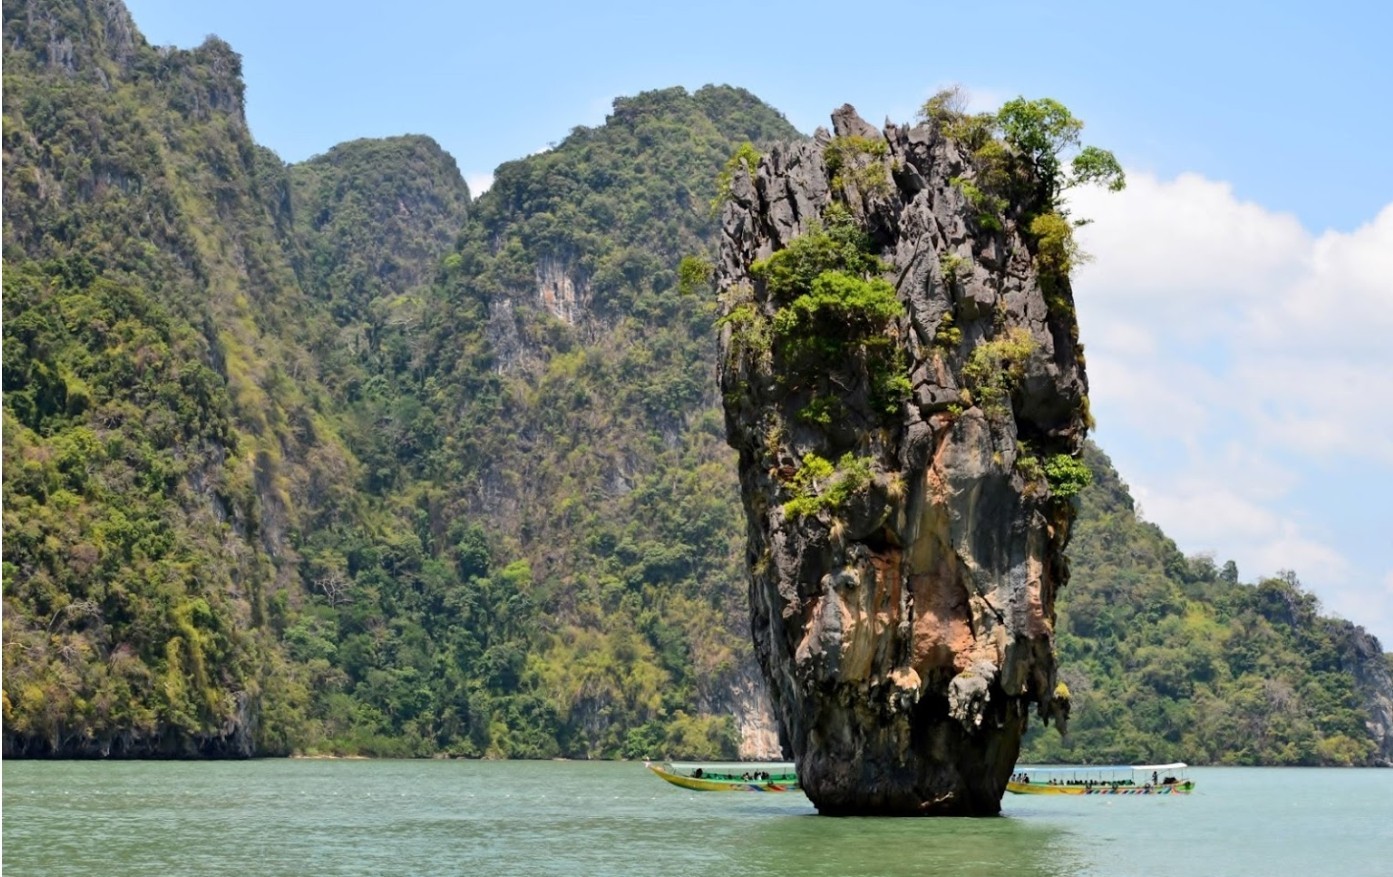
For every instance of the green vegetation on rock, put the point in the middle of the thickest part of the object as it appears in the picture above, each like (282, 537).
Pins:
(857, 161)
(834, 311)
(820, 486)
(996, 367)
(745, 159)
(1019, 155)
(283, 473)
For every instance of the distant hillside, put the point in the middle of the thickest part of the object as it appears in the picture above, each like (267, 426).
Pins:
(1172, 658)
(330, 457)
(556, 390)
(374, 217)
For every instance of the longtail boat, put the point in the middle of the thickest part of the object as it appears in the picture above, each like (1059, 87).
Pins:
(732, 777)
(1135, 779)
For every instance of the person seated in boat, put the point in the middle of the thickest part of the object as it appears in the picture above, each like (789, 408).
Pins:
(697, 773)
(1168, 781)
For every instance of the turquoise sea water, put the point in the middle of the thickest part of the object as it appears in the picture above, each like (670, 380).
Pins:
(298, 817)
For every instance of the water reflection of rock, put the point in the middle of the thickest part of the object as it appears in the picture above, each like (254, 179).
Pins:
(806, 846)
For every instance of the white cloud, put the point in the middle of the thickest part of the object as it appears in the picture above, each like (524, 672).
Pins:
(1346, 296)
(1159, 401)
(479, 183)
(1366, 607)
(1208, 515)
(1289, 549)
(1188, 243)
(1239, 364)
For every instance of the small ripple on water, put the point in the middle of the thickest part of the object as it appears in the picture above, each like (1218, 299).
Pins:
(278, 818)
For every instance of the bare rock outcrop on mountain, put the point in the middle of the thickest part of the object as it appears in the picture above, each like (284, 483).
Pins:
(1363, 658)
(905, 388)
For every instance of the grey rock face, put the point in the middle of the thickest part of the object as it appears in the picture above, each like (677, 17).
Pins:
(1362, 656)
(906, 625)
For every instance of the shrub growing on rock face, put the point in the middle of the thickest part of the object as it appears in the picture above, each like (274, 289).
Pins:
(856, 160)
(835, 312)
(859, 307)
(996, 367)
(745, 157)
(1019, 156)
(838, 244)
(1039, 131)
(1067, 475)
(818, 485)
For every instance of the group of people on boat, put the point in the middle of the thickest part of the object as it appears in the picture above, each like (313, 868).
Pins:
(1091, 783)
(747, 776)
(1105, 780)
(1155, 781)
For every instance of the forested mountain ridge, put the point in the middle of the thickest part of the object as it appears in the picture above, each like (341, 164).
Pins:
(560, 388)
(318, 580)
(1171, 658)
(329, 457)
(162, 428)
(374, 217)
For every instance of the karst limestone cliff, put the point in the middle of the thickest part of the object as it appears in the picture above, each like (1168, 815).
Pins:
(905, 388)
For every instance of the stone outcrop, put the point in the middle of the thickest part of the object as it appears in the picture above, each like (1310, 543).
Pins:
(902, 598)
(1363, 658)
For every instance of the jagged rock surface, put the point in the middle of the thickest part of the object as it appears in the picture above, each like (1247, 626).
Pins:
(1362, 656)
(905, 635)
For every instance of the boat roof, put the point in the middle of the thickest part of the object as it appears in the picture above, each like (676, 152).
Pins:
(1175, 765)
(730, 765)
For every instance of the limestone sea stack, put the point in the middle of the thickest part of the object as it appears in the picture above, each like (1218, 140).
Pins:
(904, 385)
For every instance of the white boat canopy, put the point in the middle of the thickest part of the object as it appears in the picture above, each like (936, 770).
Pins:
(1178, 765)
(727, 766)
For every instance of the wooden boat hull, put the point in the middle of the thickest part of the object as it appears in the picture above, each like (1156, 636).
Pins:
(698, 784)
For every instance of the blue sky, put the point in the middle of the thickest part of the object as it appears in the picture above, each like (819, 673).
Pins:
(1239, 308)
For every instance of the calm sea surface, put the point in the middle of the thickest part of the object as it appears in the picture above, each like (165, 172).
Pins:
(294, 817)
